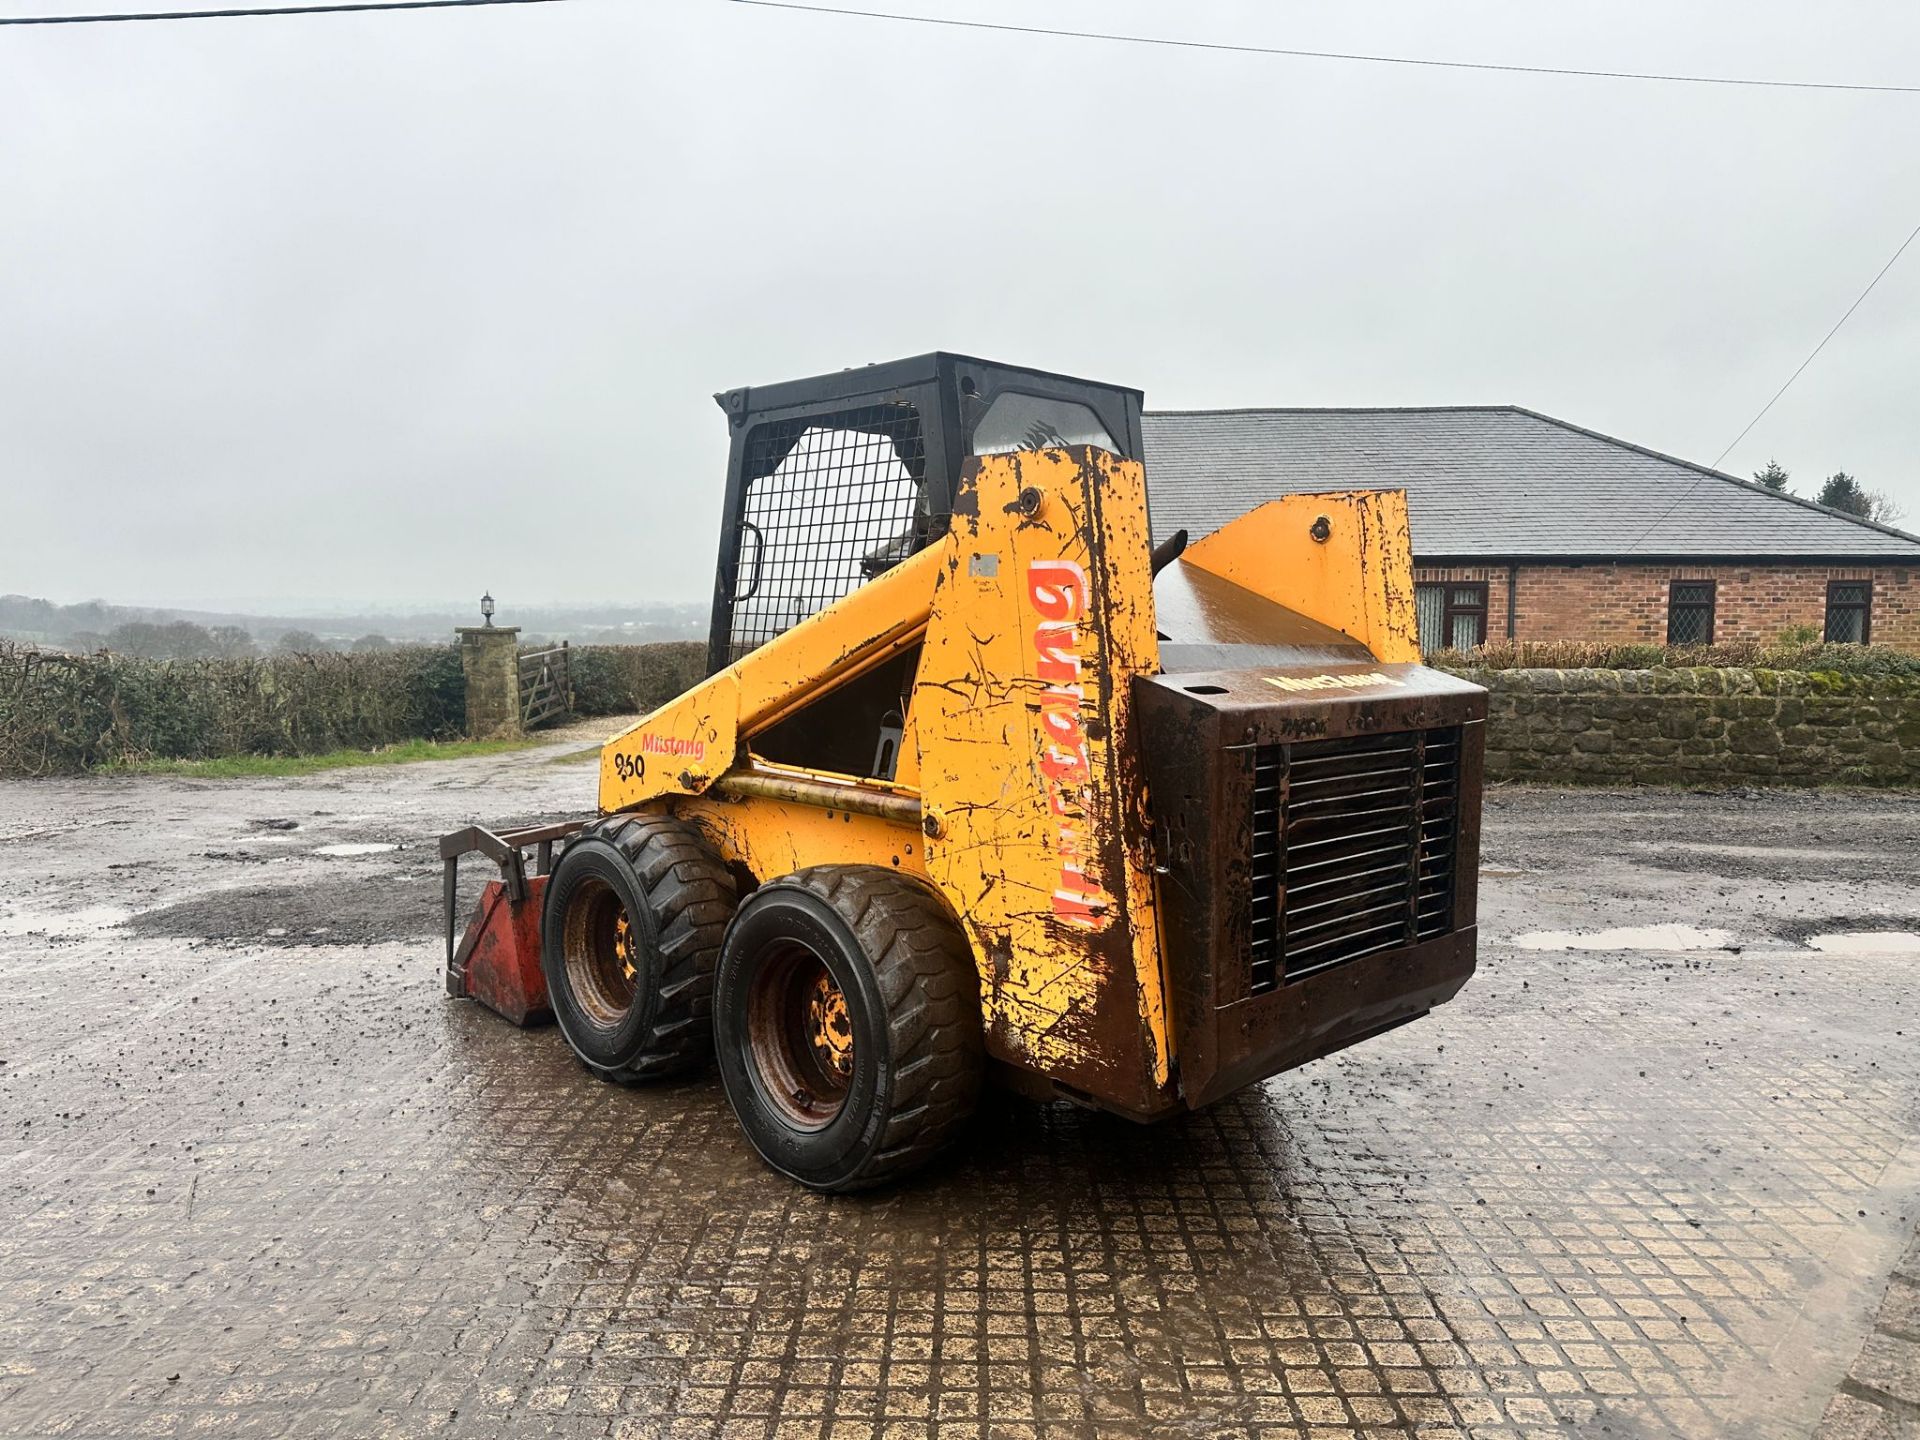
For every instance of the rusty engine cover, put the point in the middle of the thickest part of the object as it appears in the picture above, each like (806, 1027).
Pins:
(1317, 835)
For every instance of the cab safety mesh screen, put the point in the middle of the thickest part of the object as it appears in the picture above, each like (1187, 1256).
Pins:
(831, 502)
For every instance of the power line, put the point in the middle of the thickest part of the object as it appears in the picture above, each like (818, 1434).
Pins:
(351, 5)
(1915, 234)
(1911, 237)
(1233, 49)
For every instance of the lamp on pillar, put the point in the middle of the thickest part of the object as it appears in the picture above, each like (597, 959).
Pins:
(490, 663)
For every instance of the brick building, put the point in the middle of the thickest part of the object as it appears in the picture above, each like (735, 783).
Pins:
(1528, 528)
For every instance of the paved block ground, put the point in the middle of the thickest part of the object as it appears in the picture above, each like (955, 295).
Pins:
(257, 1180)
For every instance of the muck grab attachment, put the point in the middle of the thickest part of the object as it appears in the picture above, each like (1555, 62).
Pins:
(497, 960)
(982, 786)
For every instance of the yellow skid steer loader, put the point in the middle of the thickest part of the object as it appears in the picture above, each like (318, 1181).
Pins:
(980, 784)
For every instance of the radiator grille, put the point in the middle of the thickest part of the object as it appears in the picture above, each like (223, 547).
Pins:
(1352, 849)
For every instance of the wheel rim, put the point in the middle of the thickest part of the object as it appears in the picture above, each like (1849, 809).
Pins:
(800, 1036)
(601, 953)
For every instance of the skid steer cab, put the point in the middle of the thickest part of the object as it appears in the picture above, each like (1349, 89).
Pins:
(980, 784)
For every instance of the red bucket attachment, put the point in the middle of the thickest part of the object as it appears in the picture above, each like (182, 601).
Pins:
(498, 960)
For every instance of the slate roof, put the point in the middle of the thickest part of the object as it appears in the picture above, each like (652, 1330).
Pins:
(1489, 483)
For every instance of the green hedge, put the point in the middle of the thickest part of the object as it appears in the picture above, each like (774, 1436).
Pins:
(1739, 655)
(60, 714)
(625, 679)
(64, 713)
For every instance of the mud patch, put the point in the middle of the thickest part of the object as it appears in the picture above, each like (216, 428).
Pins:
(366, 910)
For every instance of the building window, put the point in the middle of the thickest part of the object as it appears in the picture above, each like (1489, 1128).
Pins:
(1849, 611)
(1452, 616)
(1690, 612)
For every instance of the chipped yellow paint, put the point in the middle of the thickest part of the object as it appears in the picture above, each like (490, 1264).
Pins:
(1042, 615)
(681, 748)
(1359, 579)
(772, 838)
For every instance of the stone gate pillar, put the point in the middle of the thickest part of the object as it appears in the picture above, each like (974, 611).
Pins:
(490, 656)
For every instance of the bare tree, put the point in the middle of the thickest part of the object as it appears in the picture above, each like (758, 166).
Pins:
(230, 642)
(175, 640)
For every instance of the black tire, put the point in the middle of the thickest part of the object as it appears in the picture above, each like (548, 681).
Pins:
(643, 1011)
(890, 1074)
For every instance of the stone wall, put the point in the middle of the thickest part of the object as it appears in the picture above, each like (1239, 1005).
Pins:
(1701, 727)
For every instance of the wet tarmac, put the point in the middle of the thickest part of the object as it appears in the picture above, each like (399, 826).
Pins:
(258, 1177)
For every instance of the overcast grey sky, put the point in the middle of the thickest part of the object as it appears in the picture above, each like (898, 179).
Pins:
(390, 308)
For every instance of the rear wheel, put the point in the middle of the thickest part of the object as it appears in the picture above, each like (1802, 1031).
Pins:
(634, 915)
(847, 1019)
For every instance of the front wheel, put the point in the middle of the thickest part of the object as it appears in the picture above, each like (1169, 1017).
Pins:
(847, 1024)
(634, 913)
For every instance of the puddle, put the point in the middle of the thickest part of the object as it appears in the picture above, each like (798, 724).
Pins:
(1627, 937)
(360, 849)
(83, 921)
(1868, 942)
(1750, 852)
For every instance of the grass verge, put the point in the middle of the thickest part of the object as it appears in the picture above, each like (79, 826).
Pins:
(247, 767)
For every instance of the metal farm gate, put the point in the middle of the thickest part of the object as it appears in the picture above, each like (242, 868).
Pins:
(546, 686)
